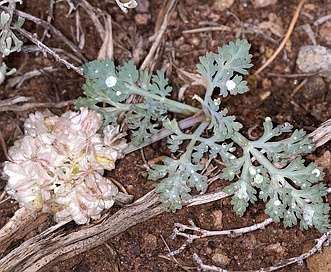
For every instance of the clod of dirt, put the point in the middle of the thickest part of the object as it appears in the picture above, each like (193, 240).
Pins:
(319, 262)
(324, 160)
(275, 25)
(218, 219)
(275, 248)
(314, 59)
(149, 241)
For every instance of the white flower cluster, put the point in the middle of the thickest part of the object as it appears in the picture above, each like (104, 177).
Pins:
(58, 166)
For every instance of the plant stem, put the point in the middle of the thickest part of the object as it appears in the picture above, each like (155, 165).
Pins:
(209, 90)
(172, 105)
(185, 123)
(244, 143)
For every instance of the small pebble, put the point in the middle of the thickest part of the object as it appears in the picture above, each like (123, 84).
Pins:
(220, 258)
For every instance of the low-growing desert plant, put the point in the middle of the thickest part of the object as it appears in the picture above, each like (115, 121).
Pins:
(273, 170)
(270, 169)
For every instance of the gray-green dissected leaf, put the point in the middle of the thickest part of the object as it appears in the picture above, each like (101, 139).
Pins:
(99, 73)
(220, 68)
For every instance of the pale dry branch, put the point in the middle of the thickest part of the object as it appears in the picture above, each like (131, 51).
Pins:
(58, 51)
(324, 240)
(32, 105)
(164, 16)
(19, 80)
(45, 249)
(51, 28)
(322, 134)
(201, 233)
(287, 36)
(91, 11)
(46, 50)
(14, 100)
(49, 19)
(322, 20)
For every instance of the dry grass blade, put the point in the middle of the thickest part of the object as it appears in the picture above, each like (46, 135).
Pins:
(287, 36)
(107, 49)
(160, 28)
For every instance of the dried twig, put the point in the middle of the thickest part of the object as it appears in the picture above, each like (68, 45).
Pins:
(91, 12)
(29, 106)
(208, 28)
(294, 75)
(35, 48)
(322, 20)
(46, 49)
(51, 28)
(19, 80)
(14, 100)
(287, 36)
(4, 148)
(107, 48)
(299, 87)
(323, 240)
(322, 134)
(180, 231)
(49, 19)
(166, 13)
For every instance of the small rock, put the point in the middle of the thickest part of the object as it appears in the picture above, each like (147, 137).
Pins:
(277, 247)
(263, 3)
(219, 258)
(221, 5)
(314, 59)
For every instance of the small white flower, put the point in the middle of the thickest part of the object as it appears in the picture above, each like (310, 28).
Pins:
(277, 202)
(316, 172)
(130, 4)
(111, 81)
(124, 6)
(252, 171)
(230, 84)
(258, 179)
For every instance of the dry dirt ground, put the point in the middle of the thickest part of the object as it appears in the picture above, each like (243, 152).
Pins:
(144, 246)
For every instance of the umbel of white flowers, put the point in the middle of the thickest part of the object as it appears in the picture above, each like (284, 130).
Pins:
(58, 165)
